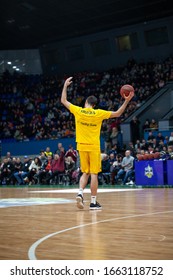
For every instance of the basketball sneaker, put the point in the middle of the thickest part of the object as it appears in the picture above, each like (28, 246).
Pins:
(79, 200)
(130, 183)
(95, 206)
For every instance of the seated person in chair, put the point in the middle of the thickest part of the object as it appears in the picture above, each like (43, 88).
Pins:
(115, 167)
(127, 168)
(69, 167)
(57, 167)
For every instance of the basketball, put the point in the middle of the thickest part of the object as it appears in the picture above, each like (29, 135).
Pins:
(140, 157)
(150, 156)
(156, 155)
(145, 156)
(125, 90)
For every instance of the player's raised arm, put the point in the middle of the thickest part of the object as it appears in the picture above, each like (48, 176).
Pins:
(121, 110)
(64, 100)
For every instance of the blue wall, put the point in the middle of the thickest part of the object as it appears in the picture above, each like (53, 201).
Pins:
(34, 147)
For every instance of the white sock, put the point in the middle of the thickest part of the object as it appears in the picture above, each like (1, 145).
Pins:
(93, 199)
(80, 191)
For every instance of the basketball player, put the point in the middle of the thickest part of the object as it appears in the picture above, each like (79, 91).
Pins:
(88, 124)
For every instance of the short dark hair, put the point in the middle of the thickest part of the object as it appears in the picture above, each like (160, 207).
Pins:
(119, 156)
(92, 100)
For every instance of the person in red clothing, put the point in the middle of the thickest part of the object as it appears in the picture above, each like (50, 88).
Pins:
(72, 153)
(57, 166)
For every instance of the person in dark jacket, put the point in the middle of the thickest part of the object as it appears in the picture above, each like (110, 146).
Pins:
(23, 172)
(6, 171)
(45, 170)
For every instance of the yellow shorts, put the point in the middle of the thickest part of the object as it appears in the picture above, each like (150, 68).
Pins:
(90, 162)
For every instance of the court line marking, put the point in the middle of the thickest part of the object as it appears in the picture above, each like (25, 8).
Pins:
(162, 237)
(32, 249)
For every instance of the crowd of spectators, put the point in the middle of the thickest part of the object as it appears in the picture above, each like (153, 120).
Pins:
(31, 109)
(58, 167)
(63, 167)
(120, 164)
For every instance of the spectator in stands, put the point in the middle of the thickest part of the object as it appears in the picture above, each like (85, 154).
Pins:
(137, 144)
(54, 133)
(23, 172)
(70, 167)
(135, 129)
(150, 150)
(17, 167)
(153, 144)
(171, 139)
(127, 168)
(6, 171)
(166, 140)
(153, 124)
(107, 140)
(57, 167)
(48, 152)
(76, 176)
(144, 145)
(18, 133)
(150, 136)
(170, 152)
(131, 148)
(42, 157)
(114, 150)
(159, 138)
(33, 171)
(60, 149)
(72, 153)
(146, 125)
(114, 136)
(116, 166)
(104, 176)
(67, 132)
(45, 170)
(112, 158)
(161, 145)
(105, 164)
(8, 155)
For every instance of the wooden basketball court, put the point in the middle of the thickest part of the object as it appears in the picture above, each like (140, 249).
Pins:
(44, 224)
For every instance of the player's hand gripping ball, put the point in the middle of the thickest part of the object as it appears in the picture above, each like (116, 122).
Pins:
(125, 90)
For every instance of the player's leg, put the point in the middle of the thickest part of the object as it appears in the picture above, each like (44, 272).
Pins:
(84, 163)
(83, 181)
(95, 168)
(94, 184)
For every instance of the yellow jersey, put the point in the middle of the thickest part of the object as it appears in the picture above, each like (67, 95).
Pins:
(48, 154)
(88, 123)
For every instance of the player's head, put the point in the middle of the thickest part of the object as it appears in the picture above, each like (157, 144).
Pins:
(91, 101)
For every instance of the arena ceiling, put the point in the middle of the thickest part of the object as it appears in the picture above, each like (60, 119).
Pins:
(26, 24)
